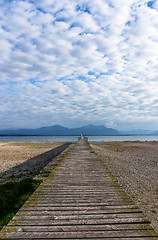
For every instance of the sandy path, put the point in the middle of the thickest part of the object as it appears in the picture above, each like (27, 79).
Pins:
(13, 153)
(135, 164)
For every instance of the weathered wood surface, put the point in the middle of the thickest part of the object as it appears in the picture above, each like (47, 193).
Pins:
(81, 201)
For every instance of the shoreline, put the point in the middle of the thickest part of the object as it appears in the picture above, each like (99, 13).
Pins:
(72, 139)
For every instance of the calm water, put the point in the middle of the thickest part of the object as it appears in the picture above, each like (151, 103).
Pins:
(75, 138)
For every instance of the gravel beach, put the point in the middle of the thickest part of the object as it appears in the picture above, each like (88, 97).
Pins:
(14, 153)
(26, 160)
(135, 165)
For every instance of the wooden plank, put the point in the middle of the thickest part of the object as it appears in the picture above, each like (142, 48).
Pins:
(79, 204)
(40, 210)
(81, 234)
(80, 201)
(84, 227)
(74, 215)
(56, 221)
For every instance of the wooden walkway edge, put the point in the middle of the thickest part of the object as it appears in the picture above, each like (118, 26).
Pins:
(81, 200)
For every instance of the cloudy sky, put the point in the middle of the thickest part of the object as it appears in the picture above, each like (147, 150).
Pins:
(79, 62)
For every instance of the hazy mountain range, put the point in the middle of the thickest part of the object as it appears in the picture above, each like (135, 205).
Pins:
(90, 130)
(140, 132)
(57, 130)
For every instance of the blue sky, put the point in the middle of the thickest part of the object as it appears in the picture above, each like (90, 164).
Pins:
(81, 62)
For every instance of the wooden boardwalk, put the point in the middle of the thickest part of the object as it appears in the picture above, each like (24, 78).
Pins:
(81, 201)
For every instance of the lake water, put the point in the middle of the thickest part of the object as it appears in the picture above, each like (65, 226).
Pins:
(75, 138)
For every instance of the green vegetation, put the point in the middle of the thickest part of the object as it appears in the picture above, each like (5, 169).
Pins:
(12, 197)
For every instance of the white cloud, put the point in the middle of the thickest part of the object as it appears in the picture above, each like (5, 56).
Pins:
(85, 61)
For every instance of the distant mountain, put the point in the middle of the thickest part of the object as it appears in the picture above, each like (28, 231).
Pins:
(138, 132)
(155, 133)
(57, 130)
(92, 130)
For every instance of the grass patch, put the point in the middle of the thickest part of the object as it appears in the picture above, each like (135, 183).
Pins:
(12, 197)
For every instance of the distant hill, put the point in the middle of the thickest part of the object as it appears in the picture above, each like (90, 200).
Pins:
(155, 133)
(57, 130)
(92, 130)
(139, 132)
